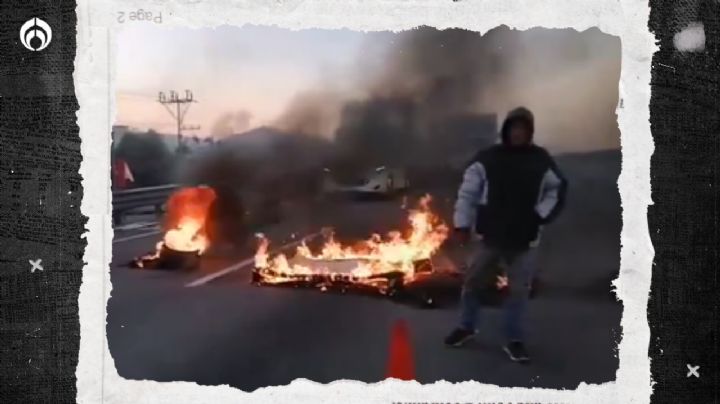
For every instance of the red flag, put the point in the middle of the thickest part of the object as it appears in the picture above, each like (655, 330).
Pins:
(127, 173)
(122, 174)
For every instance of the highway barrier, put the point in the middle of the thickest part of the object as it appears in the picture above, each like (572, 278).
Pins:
(131, 199)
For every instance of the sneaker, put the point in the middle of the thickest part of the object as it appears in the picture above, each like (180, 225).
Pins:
(459, 336)
(517, 352)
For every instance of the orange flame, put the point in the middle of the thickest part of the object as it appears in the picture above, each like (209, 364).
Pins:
(397, 252)
(188, 210)
(186, 222)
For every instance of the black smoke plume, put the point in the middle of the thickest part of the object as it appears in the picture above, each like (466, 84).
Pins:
(433, 94)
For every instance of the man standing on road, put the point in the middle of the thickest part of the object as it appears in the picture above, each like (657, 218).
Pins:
(508, 193)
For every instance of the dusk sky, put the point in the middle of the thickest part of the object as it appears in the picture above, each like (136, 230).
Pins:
(299, 81)
(257, 69)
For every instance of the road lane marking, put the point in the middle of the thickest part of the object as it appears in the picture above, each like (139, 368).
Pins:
(133, 237)
(244, 263)
(134, 226)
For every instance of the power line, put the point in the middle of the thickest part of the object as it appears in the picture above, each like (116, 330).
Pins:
(180, 110)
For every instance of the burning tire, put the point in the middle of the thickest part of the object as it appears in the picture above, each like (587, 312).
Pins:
(168, 259)
(186, 231)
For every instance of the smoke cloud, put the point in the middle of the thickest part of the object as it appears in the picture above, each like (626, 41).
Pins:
(428, 100)
(410, 95)
(231, 123)
(313, 113)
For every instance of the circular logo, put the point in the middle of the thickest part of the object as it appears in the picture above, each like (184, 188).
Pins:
(35, 34)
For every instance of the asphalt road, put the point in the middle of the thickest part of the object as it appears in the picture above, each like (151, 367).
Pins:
(226, 331)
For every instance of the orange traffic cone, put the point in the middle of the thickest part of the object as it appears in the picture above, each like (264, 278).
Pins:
(400, 359)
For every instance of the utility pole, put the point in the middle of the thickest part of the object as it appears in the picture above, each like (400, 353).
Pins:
(181, 107)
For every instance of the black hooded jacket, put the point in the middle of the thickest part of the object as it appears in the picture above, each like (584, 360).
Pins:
(508, 192)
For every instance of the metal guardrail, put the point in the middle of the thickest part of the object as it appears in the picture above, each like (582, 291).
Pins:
(130, 199)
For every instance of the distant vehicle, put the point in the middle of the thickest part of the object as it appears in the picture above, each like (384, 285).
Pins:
(381, 181)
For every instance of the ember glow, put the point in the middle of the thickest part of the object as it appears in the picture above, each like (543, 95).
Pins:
(186, 223)
(399, 252)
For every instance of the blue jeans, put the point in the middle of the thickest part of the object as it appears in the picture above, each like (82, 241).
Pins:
(520, 267)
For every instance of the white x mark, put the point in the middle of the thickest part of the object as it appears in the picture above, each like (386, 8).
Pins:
(693, 371)
(35, 265)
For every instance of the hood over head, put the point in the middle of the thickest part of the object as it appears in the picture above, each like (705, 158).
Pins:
(520, 114)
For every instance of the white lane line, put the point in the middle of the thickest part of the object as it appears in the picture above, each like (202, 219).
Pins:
(133, 237)
(244, 263)
(138, 225)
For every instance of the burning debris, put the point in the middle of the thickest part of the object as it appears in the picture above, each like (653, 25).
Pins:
(385, 265)
(402, 265)
(187, 231)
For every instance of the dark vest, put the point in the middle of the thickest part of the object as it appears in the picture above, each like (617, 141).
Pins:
(514, 177)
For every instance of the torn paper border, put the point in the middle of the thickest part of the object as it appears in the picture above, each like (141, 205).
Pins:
(97, 378)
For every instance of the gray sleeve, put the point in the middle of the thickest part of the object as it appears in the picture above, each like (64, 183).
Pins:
(469, 195)
(549, 193)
